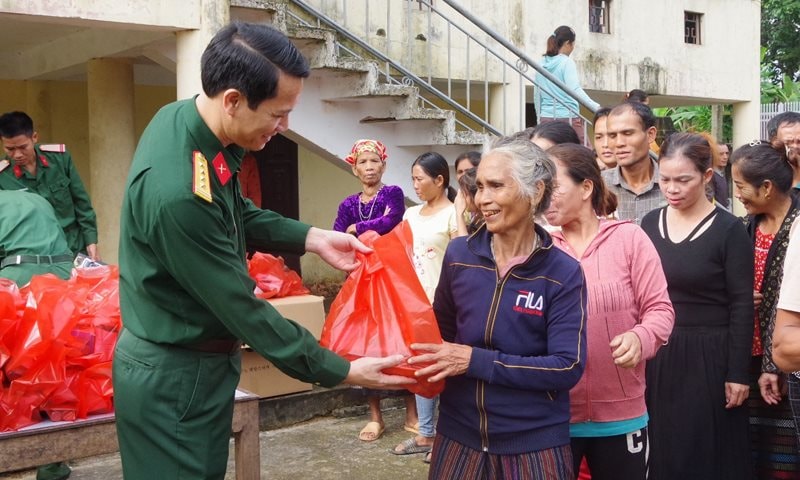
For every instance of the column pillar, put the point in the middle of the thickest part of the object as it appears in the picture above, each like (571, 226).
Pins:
(746, 128)
(112, 142)
(190, 45)
(37, 103)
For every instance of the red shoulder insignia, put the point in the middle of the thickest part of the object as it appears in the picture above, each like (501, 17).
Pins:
(53, 147)
(221, 168)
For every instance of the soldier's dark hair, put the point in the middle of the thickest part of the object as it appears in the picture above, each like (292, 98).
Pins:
(434, 165)
(13, 124)
(556, 132)
(779, 120)
(249, 58)
(760, 161)
(641, 110)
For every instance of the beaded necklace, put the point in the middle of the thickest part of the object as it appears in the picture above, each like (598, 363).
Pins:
(374, 200)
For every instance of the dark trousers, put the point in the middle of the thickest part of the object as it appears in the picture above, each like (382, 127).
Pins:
(610, 458)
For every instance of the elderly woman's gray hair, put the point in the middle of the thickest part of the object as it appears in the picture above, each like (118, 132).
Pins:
(529, 165)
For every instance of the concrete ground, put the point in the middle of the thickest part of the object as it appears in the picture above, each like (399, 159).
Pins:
(326, 448)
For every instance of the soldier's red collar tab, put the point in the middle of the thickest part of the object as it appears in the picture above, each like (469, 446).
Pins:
(43, 161)
(17, 171)
(221, 169)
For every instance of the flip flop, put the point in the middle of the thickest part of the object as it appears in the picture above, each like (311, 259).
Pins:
(409, 447)
(371, 432)
(412, 428)
(427, 458)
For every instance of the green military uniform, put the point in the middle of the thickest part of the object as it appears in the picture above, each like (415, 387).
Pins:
(58, 181)
(186, 298)
(30, 241)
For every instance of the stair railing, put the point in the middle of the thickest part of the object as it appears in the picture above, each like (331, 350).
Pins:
(480, 80)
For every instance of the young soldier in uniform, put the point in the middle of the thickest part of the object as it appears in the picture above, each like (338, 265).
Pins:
(630, 131)
(185, 294)
(47, 169)
(30, 241)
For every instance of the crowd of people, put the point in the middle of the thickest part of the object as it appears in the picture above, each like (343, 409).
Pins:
(604, 314)
(654, 357)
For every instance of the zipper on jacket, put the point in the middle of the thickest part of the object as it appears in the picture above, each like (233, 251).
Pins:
(487, 340)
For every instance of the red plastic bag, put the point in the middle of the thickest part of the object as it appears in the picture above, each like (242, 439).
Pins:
(382, 308)
(60, 347)
(273, 278)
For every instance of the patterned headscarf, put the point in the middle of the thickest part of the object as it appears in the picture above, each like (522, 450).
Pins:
(366, 145)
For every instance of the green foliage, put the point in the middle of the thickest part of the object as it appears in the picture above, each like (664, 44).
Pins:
(780, 24)
(697, 118)
(786, 91)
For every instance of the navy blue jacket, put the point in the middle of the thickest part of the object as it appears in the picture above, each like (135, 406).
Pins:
(528, 334)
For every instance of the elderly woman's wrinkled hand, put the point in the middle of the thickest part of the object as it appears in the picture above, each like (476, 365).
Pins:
(446, 359)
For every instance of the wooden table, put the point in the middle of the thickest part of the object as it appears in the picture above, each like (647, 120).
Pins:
(50, 442)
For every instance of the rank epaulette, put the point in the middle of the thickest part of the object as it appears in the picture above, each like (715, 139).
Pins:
(4, 164)
(53, 147)
(201, 183)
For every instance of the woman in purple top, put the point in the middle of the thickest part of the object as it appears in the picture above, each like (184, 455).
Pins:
(380, 208)
(377, 207)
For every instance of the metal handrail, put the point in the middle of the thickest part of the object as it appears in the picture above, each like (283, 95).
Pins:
(406, 73)
(519, 63)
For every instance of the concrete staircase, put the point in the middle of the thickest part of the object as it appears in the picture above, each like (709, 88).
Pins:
(345, 99)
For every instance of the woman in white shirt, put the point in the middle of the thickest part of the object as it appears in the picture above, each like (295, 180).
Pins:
(433, 224)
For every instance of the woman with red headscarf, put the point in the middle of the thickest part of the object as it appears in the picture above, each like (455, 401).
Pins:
(377, 206)
(380, 208)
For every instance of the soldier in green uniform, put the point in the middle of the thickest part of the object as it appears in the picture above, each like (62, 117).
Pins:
(30, 241)
(185, 293)
(47, 169)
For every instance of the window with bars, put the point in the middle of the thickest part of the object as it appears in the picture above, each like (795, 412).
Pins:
(598, 16)
(692, 22)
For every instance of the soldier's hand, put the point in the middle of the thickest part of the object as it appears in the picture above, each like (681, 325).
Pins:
(91, 250)
(366, 372)
(337, 248)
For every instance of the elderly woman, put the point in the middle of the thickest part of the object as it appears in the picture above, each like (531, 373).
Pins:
(762, 180)
(511, 309)
(377, 206)
(380, 208)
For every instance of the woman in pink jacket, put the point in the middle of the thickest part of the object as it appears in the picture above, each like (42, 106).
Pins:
(629, 317)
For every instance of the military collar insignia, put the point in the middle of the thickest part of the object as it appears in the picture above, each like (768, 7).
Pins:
(17, 171)
(221, 169)
(53, 147)
(43, 161)
(201, 181)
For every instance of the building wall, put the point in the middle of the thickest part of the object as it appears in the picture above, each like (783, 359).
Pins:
(65, 104)
(323, 186)
(721, 69)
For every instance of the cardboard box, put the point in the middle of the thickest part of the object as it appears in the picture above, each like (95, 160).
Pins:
(262, 377)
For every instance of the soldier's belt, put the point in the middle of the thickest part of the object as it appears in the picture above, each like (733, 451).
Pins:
(35, 259)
